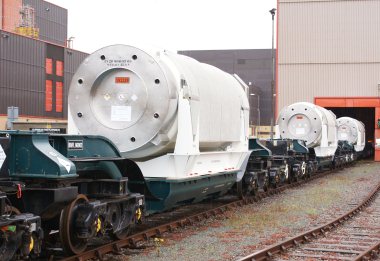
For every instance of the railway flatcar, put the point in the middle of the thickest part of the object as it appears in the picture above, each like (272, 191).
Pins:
(150, 130)
(184, 123)
(70, 183)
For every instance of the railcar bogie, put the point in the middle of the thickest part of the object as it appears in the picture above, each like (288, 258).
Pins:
(21, 234)
(78, 180)
(275, 162)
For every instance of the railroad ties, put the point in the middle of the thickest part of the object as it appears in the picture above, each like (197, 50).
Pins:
(188, 215)
(354, 235)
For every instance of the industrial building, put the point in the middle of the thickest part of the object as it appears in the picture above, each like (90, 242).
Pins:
(36, 67)
(328, 54)
(254, 67)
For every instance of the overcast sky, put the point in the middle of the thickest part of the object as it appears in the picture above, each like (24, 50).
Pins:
(170, 24)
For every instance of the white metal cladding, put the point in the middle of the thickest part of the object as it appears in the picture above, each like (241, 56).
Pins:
(303, 82)
(328, 48)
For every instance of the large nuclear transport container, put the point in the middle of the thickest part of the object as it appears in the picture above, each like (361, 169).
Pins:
(184, 123)
(147, 101)
(352, 131)
(311, 123)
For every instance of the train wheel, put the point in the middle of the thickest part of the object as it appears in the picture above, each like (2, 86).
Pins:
(245, 190)
(124, 233)
(303, 169)
(239, 189)
(274, 178)
(286, 175)
(266, 186)
(295, 178)
(70, 242)
(297, 172)
(248, 186)
(252, 189)
(263, 181)
(310, 169)
(12, 210)
(276, 181)
(307, 174)
(115, 213)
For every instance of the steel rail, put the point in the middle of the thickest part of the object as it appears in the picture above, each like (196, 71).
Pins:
(371, 253)
(131, 241)
(269, 252)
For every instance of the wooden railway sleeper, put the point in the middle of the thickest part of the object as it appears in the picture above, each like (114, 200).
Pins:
(116, 248)
(169, 227)
(132, 242)
(99, 255)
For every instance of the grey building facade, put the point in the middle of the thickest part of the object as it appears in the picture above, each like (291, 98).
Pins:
(254, 67)
(51, 21)
(36, 67)
(27, 82)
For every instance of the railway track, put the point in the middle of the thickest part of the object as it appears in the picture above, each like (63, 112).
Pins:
(354, 235)
(158, 224)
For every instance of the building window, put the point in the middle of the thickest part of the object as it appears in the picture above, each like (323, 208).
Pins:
(49, 66)
(58, 97)
(48, 95)
(59, 68)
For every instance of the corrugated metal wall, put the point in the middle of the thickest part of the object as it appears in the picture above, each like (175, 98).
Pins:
(23, 64)
(51, 20)
(328, 48)
(253, 66)
(72, 61)
(22, 74)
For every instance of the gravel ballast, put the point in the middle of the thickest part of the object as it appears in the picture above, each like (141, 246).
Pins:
(245, 230)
